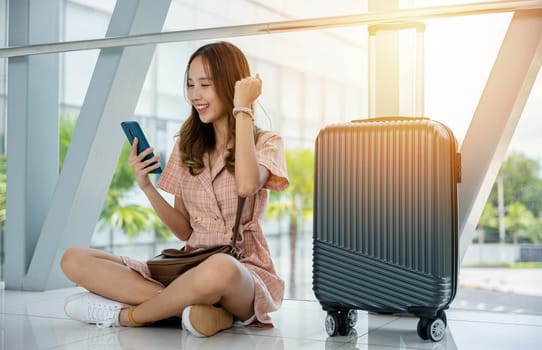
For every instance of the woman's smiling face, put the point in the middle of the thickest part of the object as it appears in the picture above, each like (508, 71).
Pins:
(202, 93)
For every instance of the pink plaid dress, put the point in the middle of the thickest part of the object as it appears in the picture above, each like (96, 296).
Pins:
(211, 201)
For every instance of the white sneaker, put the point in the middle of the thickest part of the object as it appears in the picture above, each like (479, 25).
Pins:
(91, 308)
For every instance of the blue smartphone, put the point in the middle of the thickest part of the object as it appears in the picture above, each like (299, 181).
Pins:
(132, 129)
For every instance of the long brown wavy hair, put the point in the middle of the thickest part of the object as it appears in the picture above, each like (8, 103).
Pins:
(224, 64)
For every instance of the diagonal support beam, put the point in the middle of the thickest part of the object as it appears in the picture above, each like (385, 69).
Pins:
(32, 127)
(496, 117)
(91, 159)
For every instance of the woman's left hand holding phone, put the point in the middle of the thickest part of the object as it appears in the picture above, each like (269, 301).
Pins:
(141, 167)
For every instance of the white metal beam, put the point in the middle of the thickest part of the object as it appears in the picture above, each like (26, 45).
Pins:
(96, 143)
(372, 18)
(497, 114)
(32, 132)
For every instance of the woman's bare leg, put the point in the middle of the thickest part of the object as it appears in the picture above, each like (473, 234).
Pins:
(220, 279)
(106, 275)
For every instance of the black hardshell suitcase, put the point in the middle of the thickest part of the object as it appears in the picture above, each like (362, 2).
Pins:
(385, 221)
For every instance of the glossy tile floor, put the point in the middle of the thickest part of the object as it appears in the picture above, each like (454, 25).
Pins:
(35, 320)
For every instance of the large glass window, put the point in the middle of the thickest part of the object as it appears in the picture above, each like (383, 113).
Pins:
(310, 79)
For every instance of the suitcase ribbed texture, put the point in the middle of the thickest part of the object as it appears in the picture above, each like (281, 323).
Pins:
(362, 283)
(385, 223)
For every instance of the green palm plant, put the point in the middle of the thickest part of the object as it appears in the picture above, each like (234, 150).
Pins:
(132, 219)
(67, 127)
(296, 201)
(534, 232)
(489, 219)
(518, 219)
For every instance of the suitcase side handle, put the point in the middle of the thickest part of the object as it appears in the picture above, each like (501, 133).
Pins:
(383, 119)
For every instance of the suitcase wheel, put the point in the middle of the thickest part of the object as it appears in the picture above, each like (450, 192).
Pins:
(434, 328)
(441, 314)
(332, 324)
(340, 322)
(352, 318)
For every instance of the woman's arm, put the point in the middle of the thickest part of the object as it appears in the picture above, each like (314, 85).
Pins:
(175, 217)
(249, 175)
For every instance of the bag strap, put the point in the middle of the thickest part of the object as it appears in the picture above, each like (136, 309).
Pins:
(240, 205)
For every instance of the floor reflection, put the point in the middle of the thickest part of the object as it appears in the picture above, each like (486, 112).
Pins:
(35, 320)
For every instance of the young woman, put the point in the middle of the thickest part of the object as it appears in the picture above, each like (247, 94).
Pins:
(220, 154)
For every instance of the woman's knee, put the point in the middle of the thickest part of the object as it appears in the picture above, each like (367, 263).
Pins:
(220, 271)
(72, 262)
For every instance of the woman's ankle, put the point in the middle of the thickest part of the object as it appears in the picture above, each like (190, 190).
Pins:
(126, 318)
(123, 318)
